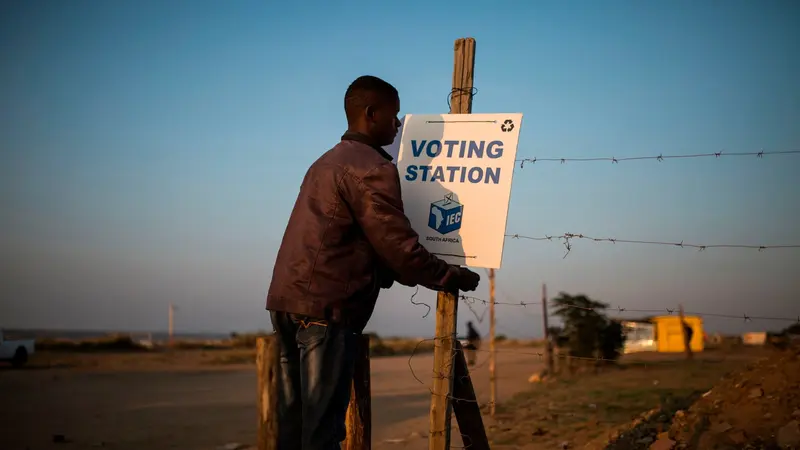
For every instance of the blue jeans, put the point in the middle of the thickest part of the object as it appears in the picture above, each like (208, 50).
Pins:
(317, 359)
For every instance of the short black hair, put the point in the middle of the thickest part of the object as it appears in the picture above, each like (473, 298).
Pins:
(367, 90)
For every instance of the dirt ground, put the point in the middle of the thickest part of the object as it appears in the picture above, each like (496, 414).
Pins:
(661, 402)
(190, 400)
(756, 408)
(206, 399)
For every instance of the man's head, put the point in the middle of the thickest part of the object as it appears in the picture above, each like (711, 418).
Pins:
(371, 106)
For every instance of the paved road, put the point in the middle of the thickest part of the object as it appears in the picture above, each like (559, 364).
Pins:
(203, 410)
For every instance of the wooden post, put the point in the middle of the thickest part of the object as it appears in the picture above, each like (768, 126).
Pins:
(267, 370)
(443, 348)
(686, 341)
(492, 354)
(463, 76)
(465, 406)
(447, 302)
(548, 346)
(171, 322)
(359, 413)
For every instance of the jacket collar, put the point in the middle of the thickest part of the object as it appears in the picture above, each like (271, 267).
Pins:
(364, 139)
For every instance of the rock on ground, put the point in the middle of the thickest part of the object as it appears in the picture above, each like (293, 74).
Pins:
(751, 409)
(755, 408)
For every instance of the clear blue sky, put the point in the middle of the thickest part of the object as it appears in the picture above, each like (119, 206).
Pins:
(151, 150)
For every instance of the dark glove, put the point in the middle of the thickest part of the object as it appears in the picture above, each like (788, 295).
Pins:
(467, 279)
(458, 278)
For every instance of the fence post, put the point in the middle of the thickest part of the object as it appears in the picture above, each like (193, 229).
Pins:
(686, 339)
(442, 389)
(548, 347)
(465, 406)
(359, 413)
(267, 371)
(447, 302)
(492, 353)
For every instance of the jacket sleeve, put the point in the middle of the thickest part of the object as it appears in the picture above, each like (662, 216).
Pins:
(377, 205)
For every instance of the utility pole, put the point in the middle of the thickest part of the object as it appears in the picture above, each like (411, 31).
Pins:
(548, 347)
(687, 344)
(171, 329)
(492, 355)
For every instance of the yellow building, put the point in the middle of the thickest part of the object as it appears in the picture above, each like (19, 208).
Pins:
(669, 336)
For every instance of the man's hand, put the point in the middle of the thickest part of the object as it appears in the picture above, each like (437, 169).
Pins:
(459, 278)
(467, 279)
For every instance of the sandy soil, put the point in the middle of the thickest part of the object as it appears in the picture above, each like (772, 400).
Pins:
(632, 406)
(757, 408)
(209, 407)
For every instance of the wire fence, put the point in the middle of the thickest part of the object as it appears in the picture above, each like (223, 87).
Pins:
(479, 307)
(443, 373)
(561, 357)
(567, 240)
(469, 300)
(659, 158)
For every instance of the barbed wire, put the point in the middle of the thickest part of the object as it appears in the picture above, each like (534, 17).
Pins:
(454, 359)
(567, 238)
(619, 309)
(661, 157)
(473, 91)
(471, 301)
(438, 373)
(416, 291)
(480, 317)
(449, 370)
(469, 92)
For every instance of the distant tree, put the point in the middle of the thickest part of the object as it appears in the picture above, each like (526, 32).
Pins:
(554, 330)
(373, 336)
(557, 336)
(611, 340)
(583, 319)
(587, 331)
(792, 329)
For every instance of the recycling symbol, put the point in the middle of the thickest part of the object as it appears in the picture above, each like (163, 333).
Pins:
(507, 126)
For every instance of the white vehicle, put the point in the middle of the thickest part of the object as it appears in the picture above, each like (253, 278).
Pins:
(17, 352)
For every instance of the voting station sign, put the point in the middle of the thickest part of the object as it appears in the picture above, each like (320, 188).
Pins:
(455, 172)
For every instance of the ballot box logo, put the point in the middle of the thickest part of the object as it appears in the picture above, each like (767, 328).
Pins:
(445, 215)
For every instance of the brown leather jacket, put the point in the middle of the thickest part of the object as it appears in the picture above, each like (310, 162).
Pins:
(347, 237)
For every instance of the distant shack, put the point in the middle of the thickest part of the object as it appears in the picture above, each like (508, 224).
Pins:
(754, 338)
(662, 334)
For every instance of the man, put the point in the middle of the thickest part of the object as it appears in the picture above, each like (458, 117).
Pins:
(689, 332)
(347, 238)
(473, 343)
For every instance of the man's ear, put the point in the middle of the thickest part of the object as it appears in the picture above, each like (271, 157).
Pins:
(369, 111)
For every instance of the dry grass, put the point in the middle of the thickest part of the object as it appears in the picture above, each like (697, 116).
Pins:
(139, 360)
(583, 408)
(120, 352)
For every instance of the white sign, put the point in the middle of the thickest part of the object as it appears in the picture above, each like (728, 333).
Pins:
(455, 173)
